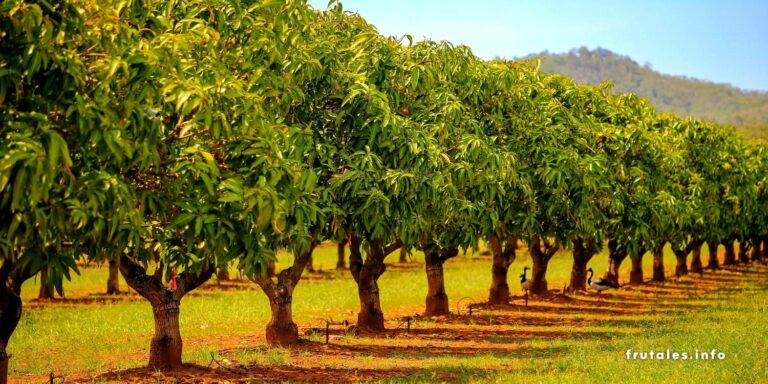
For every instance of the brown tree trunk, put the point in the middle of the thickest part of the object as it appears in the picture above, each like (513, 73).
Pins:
(437, 299)
(503, 256)
(696, 266)
(583, 251)
(45, 290)
(11, 280)
(681, 269)
(540, 258)
(730, 254)
(636, 274)
(281, 330)
(764, 256)
(713, 263)
(658, 263)
(223, 274)
(616, 256)
(341, 261)
(403, 255)
(10, 314)
(311, 264)
(756, 252)
(366, 274)
(113, 281)
(743, 252)
(166, 346)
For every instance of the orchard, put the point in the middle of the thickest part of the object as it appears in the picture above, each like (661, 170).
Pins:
(176, 140)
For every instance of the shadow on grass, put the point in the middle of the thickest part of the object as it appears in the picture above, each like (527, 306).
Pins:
(253, 373)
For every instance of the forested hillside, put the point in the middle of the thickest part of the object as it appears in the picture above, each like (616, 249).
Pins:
(747, 110)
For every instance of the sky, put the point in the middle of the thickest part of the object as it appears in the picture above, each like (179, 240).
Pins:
(721, 41)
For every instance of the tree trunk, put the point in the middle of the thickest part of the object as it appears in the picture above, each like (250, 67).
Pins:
(311, 264)
(503, 256)
(658, 264)
(45, 290)
(223, 274)
(681, 269)
(616, 256)
(341, 263)
(366, 274)
(281, 330)
(166, 345)
(403, 255)
(113, 281)
(583, 251)
(540, 258)
(437, 299)
(11, 280)
(165, 349)
(730, 254)
(756, 252)
(764, 256)
(713, 263)
(696, 266)
(10, 314)
(743, 252)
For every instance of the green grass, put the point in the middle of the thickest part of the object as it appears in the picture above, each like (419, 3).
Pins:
(93, 338)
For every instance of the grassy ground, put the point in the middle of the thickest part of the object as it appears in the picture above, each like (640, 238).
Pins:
(88, 337)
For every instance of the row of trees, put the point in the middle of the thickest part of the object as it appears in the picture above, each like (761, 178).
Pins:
(182, 136)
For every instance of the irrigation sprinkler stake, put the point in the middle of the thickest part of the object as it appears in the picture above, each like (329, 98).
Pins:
(327, 331)
(408, 329)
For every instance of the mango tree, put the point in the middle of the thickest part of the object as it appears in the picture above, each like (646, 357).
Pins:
(566, 171)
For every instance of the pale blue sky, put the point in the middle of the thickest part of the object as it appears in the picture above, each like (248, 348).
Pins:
(721, 41)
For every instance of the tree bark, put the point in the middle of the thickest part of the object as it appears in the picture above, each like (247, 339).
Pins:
(10, 314)
(743, 252)
(713, 263)
(658, 264)
(113, 281)
(437, 298)
(341, 263)
(311, 264)
(730, 254)
(10, 309)
(165, 348)
(616, 256)
(503, 256)
(757, 253)
(764, 256)
(366, 274)
(223, 274)
(540, 257)
(681, 268)
(403, 255)
(696, 266)
(45, 290)
(281, 330)
(583, 251)
(166, 345)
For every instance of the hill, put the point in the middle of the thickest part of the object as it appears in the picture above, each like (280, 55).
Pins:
(726, 104)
